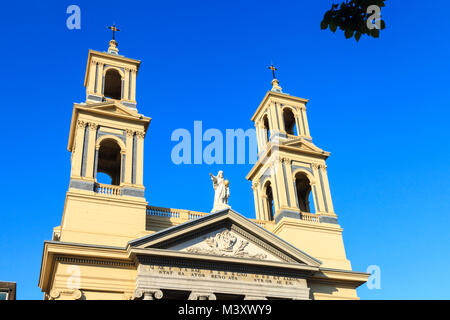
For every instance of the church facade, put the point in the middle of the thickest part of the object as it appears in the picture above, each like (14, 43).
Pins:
(112, 244)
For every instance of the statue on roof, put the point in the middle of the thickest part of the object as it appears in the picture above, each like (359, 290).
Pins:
(221, 192)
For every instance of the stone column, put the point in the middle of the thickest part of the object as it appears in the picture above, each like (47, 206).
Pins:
(195, 295)
(96, 161)
(290, 183)
(305, 120)
(260, 137)
(281, 126)
(91, 150)
(299, 123)
(140, 158)
(65, 294)
(273, 116)
(247, 297)
(281, 184)
(99, 79)
(256, 200)
(126, 87)
(133, 85)
(275, 190)
(264, 207)
(129, 156)
(92, 80)
(123, 162)
(148, 294)
(326, 185)
(77, 149)
(320, 206)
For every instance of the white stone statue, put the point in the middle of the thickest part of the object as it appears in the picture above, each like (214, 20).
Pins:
(222, 192)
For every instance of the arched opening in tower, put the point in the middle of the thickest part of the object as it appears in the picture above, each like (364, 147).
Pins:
(289, 121)
(269, 197)
(109, 161)
(113, 84)
(304, 195)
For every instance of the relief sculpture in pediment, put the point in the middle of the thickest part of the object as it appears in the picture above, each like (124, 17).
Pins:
(226, 243)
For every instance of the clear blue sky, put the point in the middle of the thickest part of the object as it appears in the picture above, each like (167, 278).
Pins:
(381, 107)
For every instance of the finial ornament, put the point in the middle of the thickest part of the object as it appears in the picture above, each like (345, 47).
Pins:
(113, 43)
(275, 83)
(271, 67)
(113, 29)
(221, 192)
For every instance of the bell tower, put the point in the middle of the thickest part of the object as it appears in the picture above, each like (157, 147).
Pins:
(106, 137)
(290, 181)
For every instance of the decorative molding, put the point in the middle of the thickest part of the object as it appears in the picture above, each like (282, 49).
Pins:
(140, 134)
(202, 296)
(226, 243)
(214, 265)
(81, 124)
(129, 132)
(93, 125)
(147, 294)
(97, 262)
(247, 297)
(81, 184)
(74, 294)
(133, 192)
(315, 165)
(262, 244)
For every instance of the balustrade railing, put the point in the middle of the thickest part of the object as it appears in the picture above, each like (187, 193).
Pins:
(311, 217)
(174, 213)
(106, 189)
(192, 215)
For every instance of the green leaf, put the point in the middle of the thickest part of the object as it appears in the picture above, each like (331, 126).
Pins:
(348, 33)
(333, 26)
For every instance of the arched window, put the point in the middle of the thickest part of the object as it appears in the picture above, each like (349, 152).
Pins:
(109, 160)
(266, 128)
(304, 195)
(269, 199)
(289, 121)
(113, 84)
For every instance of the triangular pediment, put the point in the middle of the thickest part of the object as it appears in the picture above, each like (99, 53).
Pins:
(303, 144)
(226, 242)
(114, 108)
(225, 234)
